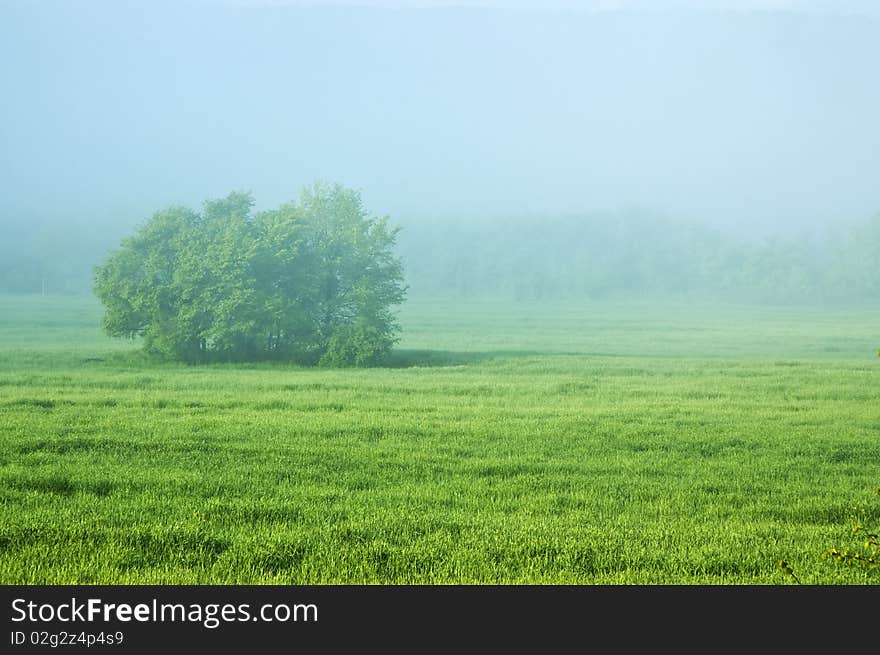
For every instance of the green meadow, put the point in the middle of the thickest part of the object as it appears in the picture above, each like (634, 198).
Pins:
(517, 443)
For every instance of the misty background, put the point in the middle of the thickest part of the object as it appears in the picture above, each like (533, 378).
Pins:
(716, 150)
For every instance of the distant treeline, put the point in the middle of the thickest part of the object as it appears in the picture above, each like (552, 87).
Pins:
(54, 256)
(638, 257)
(552, 258)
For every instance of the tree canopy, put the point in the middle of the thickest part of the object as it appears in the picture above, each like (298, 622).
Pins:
(313, 282)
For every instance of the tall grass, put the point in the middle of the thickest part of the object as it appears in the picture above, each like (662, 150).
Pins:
(590, 444)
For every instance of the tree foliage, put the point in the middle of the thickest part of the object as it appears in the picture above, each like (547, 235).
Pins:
(312, 281)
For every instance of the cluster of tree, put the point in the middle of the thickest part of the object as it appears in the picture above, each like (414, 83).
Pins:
(312, 281)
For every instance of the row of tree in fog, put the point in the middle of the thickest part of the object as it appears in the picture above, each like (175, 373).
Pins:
(548, 258)
(637, 256)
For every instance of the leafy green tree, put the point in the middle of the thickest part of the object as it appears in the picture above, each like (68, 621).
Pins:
(312, 282)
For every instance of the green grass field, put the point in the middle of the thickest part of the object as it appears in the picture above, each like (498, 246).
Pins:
(507, 443)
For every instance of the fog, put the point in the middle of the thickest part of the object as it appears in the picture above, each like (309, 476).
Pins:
(749, 120)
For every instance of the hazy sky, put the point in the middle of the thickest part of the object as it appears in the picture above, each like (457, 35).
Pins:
(756, 114)
(833, 6)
